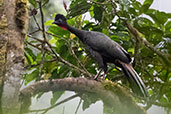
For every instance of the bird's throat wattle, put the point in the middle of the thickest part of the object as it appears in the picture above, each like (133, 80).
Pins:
(63, 27)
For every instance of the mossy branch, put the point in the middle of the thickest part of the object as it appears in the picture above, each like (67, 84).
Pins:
(112, 95)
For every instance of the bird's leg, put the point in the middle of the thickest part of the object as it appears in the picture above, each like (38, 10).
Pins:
(104, 75)
(97, 75)
(105, 70)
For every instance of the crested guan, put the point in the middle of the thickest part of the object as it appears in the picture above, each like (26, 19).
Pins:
(104, 50)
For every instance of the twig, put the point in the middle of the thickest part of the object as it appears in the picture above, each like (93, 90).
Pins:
(56, 36)
(66, 62)
(33, 45)
(55, 105)
(41, 62)
(63, 110)
(35, 38)
(78, 106)
(34, 65)
(59, 57)
(79, 62)
(34, 32)
(36, 22)
(42, 21)
(99, 3)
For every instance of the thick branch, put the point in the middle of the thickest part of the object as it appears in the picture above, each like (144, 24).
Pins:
(110, 93)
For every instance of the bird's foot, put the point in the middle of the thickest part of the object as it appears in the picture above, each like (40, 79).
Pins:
(104, 76)
(97, 77)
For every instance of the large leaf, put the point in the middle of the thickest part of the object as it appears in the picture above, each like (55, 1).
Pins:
(58, 31)
(34, 3)
(159, 17)
(28, 58)
(146, 5)
(137, 5)
(98, 12)
(30, 53)
(32, 76)
(88, 99)
(78, 7)
(168, 26)
(56, 96)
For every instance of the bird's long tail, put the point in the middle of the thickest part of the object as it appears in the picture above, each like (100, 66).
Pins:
(136, 83)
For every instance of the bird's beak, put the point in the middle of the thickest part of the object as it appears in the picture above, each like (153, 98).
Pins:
(54, 22)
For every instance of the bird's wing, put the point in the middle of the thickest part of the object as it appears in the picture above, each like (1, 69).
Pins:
(104, 45)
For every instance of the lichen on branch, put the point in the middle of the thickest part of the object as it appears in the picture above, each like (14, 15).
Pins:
(21, 14)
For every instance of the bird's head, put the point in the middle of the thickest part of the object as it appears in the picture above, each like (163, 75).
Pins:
(60, 20)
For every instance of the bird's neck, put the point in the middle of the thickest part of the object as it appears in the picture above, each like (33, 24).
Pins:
(79, 33)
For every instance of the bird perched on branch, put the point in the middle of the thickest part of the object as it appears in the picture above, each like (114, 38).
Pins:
(104, 50)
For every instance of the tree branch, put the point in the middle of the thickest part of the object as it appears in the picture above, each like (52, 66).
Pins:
(110, 93)
(136, 34)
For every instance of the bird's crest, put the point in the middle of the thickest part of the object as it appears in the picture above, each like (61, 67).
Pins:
(60, 16)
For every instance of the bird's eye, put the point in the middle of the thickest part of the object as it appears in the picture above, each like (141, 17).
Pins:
(60, 20)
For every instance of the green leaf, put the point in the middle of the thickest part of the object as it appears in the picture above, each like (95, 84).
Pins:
(59, 44)
(125, 4)
(163, 100)
(105, 31)
(131, 50)
(32, 76)
(78, 7)
(39, 95)
(58, 31)
(169, 75)
(62, 72)
(89, 99)
(150, 92)
(137, 5)
(143, 22)
(28, 58)
(91, 11)
(159, 17)
(52, 40)
(167, 34)
(50, 66)
(168, 26)
(72, 60)
(98, 12)
(38, 57)
(148, 2)
(34, 3)
(56, 96)
(72, 21)
(133, 12)
(146, 5)
(49, 22)
(147, 27)
(64, 51)
(30, 52)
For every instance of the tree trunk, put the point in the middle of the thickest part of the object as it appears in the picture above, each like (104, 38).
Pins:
(3, 44)
(12, 23)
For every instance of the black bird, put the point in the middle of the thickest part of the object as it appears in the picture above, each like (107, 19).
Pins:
(104, 50)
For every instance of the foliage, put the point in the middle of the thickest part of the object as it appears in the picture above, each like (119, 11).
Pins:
(110, 17)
